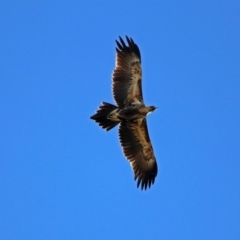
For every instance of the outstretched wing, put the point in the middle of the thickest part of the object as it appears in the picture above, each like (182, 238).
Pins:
(138, 150)
(127, 75)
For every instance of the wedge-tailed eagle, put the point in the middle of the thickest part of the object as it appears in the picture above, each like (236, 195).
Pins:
(130, 113)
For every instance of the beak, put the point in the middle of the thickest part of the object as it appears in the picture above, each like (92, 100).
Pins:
(154, 108)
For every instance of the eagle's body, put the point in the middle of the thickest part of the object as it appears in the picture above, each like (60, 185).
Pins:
(130, 112)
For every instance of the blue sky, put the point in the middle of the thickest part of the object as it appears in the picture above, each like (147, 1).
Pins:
(62, 177)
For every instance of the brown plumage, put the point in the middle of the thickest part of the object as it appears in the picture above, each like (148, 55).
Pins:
(131, 113)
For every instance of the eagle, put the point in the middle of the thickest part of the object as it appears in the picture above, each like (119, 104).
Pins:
(130, 113)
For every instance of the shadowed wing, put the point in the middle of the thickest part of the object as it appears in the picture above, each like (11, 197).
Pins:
(138, 150)
(127, 75)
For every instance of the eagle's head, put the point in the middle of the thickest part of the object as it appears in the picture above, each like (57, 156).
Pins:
(152, 108)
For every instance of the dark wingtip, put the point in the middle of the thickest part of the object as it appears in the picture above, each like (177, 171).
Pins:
(130, 41)
(119, 46)
(132, 46)
(144, 183)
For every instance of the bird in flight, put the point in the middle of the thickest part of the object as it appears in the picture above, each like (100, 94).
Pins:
(130, 113)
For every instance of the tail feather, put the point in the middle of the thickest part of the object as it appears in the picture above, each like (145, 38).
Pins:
(101, 116)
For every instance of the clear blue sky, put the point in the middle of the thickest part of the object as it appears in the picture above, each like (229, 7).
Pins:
(62, 177)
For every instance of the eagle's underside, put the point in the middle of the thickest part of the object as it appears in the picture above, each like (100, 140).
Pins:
(130, 113)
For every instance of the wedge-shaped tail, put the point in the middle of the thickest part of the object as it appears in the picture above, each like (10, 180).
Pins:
(101, 116)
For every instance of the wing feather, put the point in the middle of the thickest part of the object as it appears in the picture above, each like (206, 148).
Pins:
(137, 148)
(127, 75)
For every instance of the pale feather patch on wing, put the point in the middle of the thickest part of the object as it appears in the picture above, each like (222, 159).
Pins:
(138, 150)
(135, 90)
(127, 76)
